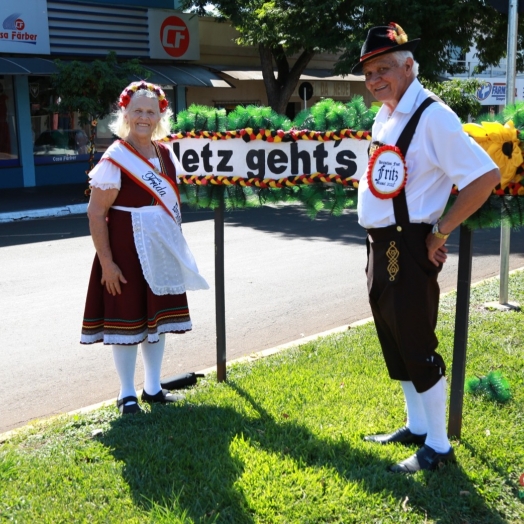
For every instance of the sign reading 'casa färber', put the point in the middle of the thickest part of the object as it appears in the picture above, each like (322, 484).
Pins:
(173, 35)
(24, 27)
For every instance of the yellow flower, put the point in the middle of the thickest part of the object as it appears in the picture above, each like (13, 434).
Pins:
(502, 145)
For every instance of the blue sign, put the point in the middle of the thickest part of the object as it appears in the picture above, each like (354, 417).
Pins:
(484, 91)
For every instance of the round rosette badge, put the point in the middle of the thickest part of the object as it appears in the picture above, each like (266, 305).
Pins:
(387, 173)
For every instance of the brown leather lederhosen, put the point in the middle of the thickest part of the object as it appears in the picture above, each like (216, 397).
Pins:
(403, 289)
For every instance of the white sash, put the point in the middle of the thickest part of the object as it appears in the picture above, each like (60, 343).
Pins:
(146, 175)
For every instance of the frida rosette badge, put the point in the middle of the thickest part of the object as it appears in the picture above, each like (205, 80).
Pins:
(387, 173)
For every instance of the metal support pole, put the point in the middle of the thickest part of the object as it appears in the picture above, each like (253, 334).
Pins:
(220, 303)
(513, 20)
(458, 373)
(305, 101)
(505, 233)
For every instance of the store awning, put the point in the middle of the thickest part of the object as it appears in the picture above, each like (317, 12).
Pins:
(326, 74)
(185, 75)
(26, 66)
(253, 73)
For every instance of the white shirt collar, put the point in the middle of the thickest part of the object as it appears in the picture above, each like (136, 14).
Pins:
(408, 100)
(406, 103)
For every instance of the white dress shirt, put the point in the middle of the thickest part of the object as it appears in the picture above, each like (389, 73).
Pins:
(440, 155)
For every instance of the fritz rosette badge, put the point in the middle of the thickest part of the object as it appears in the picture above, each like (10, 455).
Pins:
(387, 173)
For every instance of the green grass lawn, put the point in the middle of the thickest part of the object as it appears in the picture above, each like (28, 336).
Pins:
(281, 442)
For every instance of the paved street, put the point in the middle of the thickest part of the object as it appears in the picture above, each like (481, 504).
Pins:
(287, 277)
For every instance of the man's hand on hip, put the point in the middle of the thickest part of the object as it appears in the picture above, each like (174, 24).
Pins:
(437, 250)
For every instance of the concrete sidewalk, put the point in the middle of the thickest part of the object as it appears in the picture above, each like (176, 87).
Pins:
(44, 201)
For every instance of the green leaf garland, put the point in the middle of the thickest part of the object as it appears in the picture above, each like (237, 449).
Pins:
(326, 115)
(493, 386)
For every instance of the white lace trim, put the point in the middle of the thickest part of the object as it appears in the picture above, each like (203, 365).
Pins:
(167, 262)
(105, 175)
(105, 186)
(136, 339)
(91, 339)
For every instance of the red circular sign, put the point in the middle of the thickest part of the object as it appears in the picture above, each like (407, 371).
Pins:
(19, 24)
(521, 479)
(174, 36)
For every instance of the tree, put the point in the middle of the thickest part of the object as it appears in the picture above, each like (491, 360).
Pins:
(288, 33)
(91, 89)
(459, 95)
(281, 29)
(447, 28)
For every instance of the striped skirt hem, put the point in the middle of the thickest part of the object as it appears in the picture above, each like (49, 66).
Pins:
(136, 338)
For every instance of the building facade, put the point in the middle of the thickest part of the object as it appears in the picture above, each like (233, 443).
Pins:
(492, 93)
(195, 60)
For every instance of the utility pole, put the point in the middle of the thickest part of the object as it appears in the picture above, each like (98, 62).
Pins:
(505, 232)
(511, 73)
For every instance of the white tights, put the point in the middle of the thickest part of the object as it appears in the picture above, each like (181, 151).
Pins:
(125, 363)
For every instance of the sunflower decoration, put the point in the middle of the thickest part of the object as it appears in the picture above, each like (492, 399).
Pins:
(397, 34)
(501, 142)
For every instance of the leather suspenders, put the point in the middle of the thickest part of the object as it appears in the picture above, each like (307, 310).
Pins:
(400, 204)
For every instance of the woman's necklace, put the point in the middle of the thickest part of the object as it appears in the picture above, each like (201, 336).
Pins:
(152, 153)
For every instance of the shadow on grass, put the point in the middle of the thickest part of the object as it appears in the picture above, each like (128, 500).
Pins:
(179, 459)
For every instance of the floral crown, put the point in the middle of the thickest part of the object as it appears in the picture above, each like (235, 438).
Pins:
(131, 89)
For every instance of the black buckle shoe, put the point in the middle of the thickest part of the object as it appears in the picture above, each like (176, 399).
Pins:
(162, 397)
(131, 409)
(425, 458)
(401, 436)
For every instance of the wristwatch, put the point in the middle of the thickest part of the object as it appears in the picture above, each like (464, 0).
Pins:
(438, 234)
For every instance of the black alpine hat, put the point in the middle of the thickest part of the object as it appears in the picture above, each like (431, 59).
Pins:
(381, 40)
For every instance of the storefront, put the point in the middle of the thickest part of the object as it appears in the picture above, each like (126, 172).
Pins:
(194, 59)
(40, 146)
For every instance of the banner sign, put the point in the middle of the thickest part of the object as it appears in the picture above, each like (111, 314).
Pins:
(24, 27)
(493, 91)
(173, 35)
(264, 160)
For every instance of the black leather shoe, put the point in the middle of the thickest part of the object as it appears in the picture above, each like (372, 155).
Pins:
(425, 458)
(163, 397)
(131, 408)
(401, 436)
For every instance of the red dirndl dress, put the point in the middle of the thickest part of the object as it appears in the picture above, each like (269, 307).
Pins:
(137, 313)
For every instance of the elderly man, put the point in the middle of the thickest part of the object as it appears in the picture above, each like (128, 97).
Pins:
(419, 151)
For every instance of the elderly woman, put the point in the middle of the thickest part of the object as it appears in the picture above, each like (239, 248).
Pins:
(143, 266)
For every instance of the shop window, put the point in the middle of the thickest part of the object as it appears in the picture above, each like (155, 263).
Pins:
(59, 137)
(171, 98)
(8, 140)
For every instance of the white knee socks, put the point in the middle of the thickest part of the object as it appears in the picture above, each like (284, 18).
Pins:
(152, 355)
(125, 363)
(417, 422)
(434, 402)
